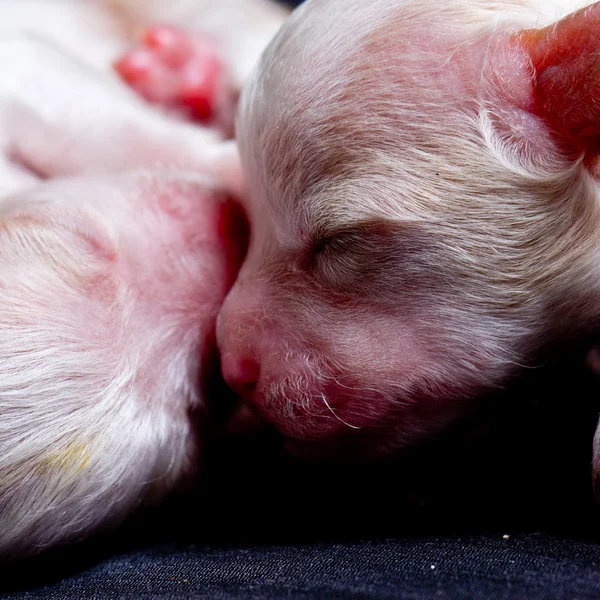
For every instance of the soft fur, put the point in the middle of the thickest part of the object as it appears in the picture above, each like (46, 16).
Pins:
(110, 290)
(110, 284)
(419, 234)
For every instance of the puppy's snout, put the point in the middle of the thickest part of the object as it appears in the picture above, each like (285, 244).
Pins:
(240, 372)
(237, 339)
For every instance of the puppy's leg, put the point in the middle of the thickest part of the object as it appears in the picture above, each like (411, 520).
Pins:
(183, 73)
(58, 117)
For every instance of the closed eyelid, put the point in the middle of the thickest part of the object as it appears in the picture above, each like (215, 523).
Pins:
(373, 232)
(380, 260)
(354, 249)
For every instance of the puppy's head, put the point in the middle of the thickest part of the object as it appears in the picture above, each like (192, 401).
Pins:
(417, 218)
(109, 293)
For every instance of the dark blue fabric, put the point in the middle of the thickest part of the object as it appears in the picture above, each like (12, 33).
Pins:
(483, 567)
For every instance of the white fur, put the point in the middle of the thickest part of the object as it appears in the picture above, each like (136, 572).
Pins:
(107, 303)
(101, 352)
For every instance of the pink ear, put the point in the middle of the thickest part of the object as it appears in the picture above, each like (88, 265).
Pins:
(566, 59)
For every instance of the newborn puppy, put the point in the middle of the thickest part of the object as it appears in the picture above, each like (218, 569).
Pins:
(110, 283)
(110, 289)
(423, 202)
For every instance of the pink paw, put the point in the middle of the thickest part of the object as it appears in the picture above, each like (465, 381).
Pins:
(177, 71)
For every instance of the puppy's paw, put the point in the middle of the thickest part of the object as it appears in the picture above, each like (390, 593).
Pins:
(178, 71)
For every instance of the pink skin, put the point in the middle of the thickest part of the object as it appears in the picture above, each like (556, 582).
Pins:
(418, 231)
(181, 72)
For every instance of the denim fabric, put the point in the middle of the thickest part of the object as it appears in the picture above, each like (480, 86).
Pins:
(524, 567)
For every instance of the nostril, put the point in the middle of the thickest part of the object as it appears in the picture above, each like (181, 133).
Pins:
(241, 374)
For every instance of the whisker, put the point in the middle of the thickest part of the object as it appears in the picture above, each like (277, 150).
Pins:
(335, 415)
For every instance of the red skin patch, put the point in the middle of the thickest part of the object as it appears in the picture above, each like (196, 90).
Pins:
(175, 70)
(566, 58)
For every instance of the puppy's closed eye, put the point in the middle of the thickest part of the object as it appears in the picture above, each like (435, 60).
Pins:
(379, 260)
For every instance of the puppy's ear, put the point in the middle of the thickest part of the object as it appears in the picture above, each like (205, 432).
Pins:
(566, 88)
(44, 229)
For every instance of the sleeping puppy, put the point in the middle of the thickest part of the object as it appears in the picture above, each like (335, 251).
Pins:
(110, 289)
(111, 278)
(424, 210)
(111, 281)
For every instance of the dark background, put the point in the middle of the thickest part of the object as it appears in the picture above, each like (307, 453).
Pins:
(500, 508)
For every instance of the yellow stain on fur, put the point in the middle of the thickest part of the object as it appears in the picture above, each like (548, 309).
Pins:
(73, 457)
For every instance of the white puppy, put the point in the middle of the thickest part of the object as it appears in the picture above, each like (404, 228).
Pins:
(110, 282)
(424, 206)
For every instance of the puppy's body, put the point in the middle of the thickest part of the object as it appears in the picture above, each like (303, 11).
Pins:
(58, 117)
(225, 41)
(424, 221)
(111, 282)
(110, 291)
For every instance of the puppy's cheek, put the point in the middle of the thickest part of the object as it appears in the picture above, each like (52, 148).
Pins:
(314, 373)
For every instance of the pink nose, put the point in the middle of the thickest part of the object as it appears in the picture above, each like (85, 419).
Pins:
(240, 364)
(240, 374)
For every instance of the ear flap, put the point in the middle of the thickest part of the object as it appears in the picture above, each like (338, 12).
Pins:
(50, 231)
(566, 60)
